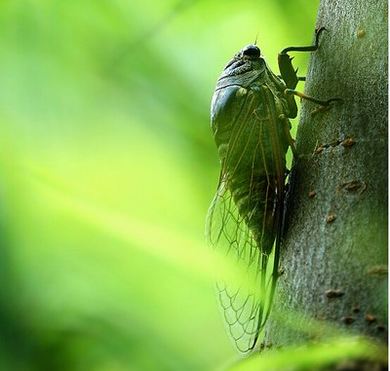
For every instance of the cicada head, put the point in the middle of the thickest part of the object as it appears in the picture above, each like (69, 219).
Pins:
(248, 58)
(246, 65)
(249, 52)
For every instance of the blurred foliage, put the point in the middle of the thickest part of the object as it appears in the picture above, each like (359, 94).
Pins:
(107, 170)
(321, 356)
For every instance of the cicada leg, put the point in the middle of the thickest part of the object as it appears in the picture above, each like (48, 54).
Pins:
(289, 75)
(325, 103)
(287, 71)
(287, 133)
(300, 78)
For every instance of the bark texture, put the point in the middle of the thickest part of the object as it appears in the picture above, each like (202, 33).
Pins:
(334, 255)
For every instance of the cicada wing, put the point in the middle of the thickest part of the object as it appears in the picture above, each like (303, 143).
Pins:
(243, 299)
(245, 125)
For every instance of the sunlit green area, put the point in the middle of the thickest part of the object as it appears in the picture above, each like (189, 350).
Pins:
(107, 170)
(313, 357)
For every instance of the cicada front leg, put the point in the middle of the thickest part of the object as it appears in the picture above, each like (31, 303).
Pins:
(289, 74)
(287, 71)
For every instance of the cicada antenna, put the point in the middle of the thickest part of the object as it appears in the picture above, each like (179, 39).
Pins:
(257, 36)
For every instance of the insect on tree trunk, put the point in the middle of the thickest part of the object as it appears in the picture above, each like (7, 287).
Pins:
(334, 253)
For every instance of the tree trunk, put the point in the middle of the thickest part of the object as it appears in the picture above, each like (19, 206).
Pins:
(334, 254)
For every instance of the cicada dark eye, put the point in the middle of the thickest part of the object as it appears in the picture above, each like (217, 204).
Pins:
(251, 51)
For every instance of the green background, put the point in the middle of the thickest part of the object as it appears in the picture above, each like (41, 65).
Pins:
(107, 169)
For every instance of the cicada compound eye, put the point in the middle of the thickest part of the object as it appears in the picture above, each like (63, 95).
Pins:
(251, 51)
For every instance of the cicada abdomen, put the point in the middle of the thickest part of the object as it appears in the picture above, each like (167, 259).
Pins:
(249, 121)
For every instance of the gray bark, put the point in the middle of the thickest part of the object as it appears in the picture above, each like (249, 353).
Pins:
(336, 229)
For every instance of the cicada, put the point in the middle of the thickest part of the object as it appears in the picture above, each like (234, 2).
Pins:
(250, 112)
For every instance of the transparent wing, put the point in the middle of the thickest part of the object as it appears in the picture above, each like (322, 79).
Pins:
(245, 299)
(253, 164)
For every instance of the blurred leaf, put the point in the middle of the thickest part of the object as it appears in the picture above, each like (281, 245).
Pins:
(313, 357)
(107, 169)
